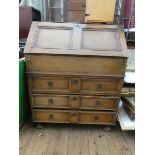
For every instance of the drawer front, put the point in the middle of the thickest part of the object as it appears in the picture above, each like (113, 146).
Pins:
(50, 101)
(75, 102)
(96, 66)
(97, 117)
(53, 84)
(76, 5)
(100, 85)
(99, 103)
(54, 116)
(74, 116)
(56, 101)
(76, 85)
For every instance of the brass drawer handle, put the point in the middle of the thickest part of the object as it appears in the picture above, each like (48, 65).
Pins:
(50, 117)
(73, 114)
(74, 81)
(98, 103)
(50, 84)
(99, 86)
(50, 101)
(96, 118)
(74, 98)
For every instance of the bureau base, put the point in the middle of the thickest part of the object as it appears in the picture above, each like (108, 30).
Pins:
(77, 69)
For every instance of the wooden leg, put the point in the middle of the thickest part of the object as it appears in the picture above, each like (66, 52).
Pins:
(107, 128)
(39, 126)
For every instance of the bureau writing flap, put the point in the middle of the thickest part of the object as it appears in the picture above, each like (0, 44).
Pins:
(76, 39)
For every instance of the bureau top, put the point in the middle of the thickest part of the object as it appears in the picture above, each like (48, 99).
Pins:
(76, 39)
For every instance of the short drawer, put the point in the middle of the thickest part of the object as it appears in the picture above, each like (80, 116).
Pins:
(87, 117)
(99, 103)
(55, 101)
(53, 116)
(54, 84)
(99, 86)
(50, 101)
(76, 5)
(56, 116)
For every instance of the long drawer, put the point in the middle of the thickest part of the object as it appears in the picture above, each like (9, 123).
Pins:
(75, 85)
(97, 66)
(74, 102)
(70, 116)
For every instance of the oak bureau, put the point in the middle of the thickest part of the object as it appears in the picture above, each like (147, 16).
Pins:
(75, 72)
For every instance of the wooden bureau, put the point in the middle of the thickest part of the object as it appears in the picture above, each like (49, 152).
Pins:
(75, 72)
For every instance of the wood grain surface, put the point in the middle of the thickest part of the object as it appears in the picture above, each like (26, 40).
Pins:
(75, 140)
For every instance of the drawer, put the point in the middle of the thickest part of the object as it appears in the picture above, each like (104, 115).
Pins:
(53, 84)
(76, 5)
(100, 86)
(73, 116)
(87, 117)
(74, 102)
(78, 85)
(55, 101)
(98, 103)
(50, 101)
(75, 65)
(53, 116)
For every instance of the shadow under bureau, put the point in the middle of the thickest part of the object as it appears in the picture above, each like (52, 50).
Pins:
(75, 72)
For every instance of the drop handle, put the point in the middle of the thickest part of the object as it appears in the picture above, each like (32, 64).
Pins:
(50, 101)
(50, 117)
(74, 98)
(73, 114)
(96, 118)
(74, 81)
(50, 83)
(99, 86)
(98, 103)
